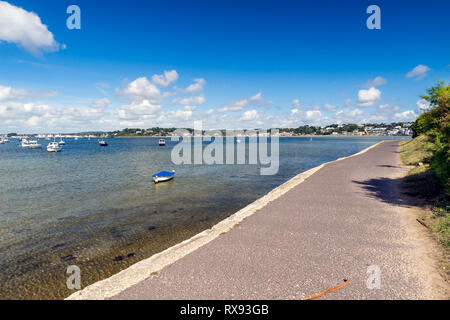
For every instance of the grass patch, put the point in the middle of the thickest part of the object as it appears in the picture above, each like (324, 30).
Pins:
(422, 183)
(417, 150)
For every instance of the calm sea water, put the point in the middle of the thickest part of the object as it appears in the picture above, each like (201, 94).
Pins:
(98, 208)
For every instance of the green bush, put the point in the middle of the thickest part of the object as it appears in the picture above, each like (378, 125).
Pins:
(435, 124)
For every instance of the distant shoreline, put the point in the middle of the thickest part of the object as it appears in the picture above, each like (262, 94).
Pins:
(304, 136)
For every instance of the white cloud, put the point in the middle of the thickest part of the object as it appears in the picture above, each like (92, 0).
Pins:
(165, 79)
(349, 116)
(257, 97)
(419, 72)
(295, 111)
(330, 107)
(196, 86)
(190, 108)
(25, 29)
(183, 114)
(29, 117)
(313, 114)
(377, 81)
(249, 115)
(101, 103)
(408, 115)
(196, 100)
(368, 98)
(255, 100)
(138, 110)
(423, 105)
(13, 94)
(141, 89)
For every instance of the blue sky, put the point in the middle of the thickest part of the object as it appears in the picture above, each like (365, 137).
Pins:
(246, 63)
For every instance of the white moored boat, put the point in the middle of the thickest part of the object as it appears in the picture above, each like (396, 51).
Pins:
(32, 144)
(54, 147)
(162, 142)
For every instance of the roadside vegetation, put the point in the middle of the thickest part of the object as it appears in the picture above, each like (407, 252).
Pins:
(428, 151)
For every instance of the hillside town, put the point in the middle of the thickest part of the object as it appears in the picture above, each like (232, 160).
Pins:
(393, 129)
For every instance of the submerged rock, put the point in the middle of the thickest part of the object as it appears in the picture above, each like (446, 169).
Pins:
(68, 258)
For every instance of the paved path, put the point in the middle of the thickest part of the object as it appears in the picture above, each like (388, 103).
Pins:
(329, 228)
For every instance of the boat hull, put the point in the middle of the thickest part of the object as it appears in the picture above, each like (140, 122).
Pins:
(162, 179)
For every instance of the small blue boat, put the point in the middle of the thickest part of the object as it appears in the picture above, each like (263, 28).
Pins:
(163, 176)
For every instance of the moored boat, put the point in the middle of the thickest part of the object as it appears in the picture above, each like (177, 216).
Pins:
(103, 143)
(162, 142)
(32, 144)
(163, 176)
(54, 147)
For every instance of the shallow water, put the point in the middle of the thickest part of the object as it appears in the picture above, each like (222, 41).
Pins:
(97, 208)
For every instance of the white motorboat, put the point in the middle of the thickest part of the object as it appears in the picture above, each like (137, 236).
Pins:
(103, 143)
(54, 147)
(162, 142)
(32, 144)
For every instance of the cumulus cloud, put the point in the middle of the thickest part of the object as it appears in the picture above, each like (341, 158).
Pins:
(408, 115)
(368, 98)
(141, 89)
(101, 103)
(165, 79)
(239, 105)
(349, 116)
(377, 81)
(419, 72)
(137, 110)
(423, 105)
(196, 86)
(313, 114)
(330, 107)
(25, 29)
(249, 115)
(33, 116)
(12, 94)
(8, 93)
(196, 100)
